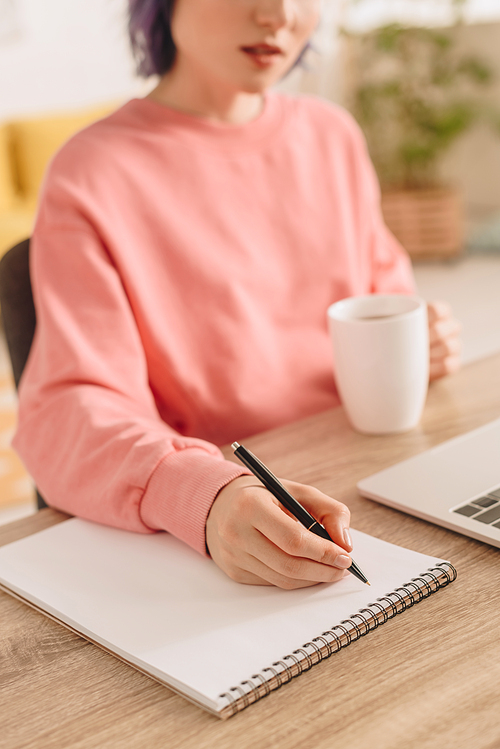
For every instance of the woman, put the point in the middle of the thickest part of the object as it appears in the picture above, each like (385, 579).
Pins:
(185, 252)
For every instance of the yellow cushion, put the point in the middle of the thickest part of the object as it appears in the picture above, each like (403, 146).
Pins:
(7, 188)
(35, 141)
(15, 225)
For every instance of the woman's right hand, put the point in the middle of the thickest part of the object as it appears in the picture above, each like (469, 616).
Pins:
(255, 541)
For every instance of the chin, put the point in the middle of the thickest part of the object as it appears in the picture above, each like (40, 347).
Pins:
(260, 83)
(255, 88)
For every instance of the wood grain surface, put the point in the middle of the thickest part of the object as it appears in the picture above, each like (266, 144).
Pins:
(428, 678)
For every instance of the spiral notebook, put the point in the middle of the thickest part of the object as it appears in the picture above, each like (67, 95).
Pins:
(172, 614)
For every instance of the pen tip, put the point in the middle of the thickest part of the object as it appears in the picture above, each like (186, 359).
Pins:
(368, 583)
(235, 445)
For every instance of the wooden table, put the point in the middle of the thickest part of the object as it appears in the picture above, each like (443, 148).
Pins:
(428, 678)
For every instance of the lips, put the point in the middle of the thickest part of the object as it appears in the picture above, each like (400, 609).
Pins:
(263, 55)
(262, 49)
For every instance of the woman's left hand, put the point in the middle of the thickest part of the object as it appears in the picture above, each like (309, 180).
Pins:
(444, 339)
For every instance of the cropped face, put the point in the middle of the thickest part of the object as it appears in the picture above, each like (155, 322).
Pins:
(245, 44)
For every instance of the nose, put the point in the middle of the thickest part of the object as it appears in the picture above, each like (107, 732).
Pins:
(275, 13)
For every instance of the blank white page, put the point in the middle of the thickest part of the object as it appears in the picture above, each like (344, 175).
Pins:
(160, 605)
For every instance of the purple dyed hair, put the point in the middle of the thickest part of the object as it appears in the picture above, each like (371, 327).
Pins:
(151, 38)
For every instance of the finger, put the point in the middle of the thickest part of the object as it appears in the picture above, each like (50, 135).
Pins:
(282, 579)
(291, 537)
(444, 367)
(443, 329)
(438, 311)
(265, 575)
(246, 577)
(266, 564)
(293, 567)
(260, 574)
(250, 570)
(334, 515)
(443, 349)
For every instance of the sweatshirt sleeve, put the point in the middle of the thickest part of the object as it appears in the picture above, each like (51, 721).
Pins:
(89, 431)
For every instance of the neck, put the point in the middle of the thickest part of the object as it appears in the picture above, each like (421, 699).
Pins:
(194, 95)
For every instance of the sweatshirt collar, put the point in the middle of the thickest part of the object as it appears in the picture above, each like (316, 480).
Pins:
(151, 115)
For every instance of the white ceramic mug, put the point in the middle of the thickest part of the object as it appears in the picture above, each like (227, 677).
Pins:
(381, 360)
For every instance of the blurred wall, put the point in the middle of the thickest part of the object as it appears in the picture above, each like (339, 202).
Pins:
(474, 161)
(60, 54)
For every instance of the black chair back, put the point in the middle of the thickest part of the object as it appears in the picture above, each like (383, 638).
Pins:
(18, 311)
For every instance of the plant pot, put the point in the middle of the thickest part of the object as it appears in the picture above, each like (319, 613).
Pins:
(428, 222)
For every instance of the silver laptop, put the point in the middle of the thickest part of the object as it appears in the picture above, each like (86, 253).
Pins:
(456, 484)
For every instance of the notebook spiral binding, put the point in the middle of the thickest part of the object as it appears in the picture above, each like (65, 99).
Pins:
(339, 636)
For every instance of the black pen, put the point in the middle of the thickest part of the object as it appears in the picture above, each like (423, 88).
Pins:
(290, 503)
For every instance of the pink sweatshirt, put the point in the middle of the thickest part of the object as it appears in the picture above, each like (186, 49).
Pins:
(181, 272)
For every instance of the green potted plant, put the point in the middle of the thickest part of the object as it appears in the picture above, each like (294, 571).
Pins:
(414, 93)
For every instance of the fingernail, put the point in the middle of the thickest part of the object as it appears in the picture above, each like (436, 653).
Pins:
(343, 561)
(347, 538)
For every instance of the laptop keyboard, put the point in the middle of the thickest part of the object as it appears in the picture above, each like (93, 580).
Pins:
(484, 509)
